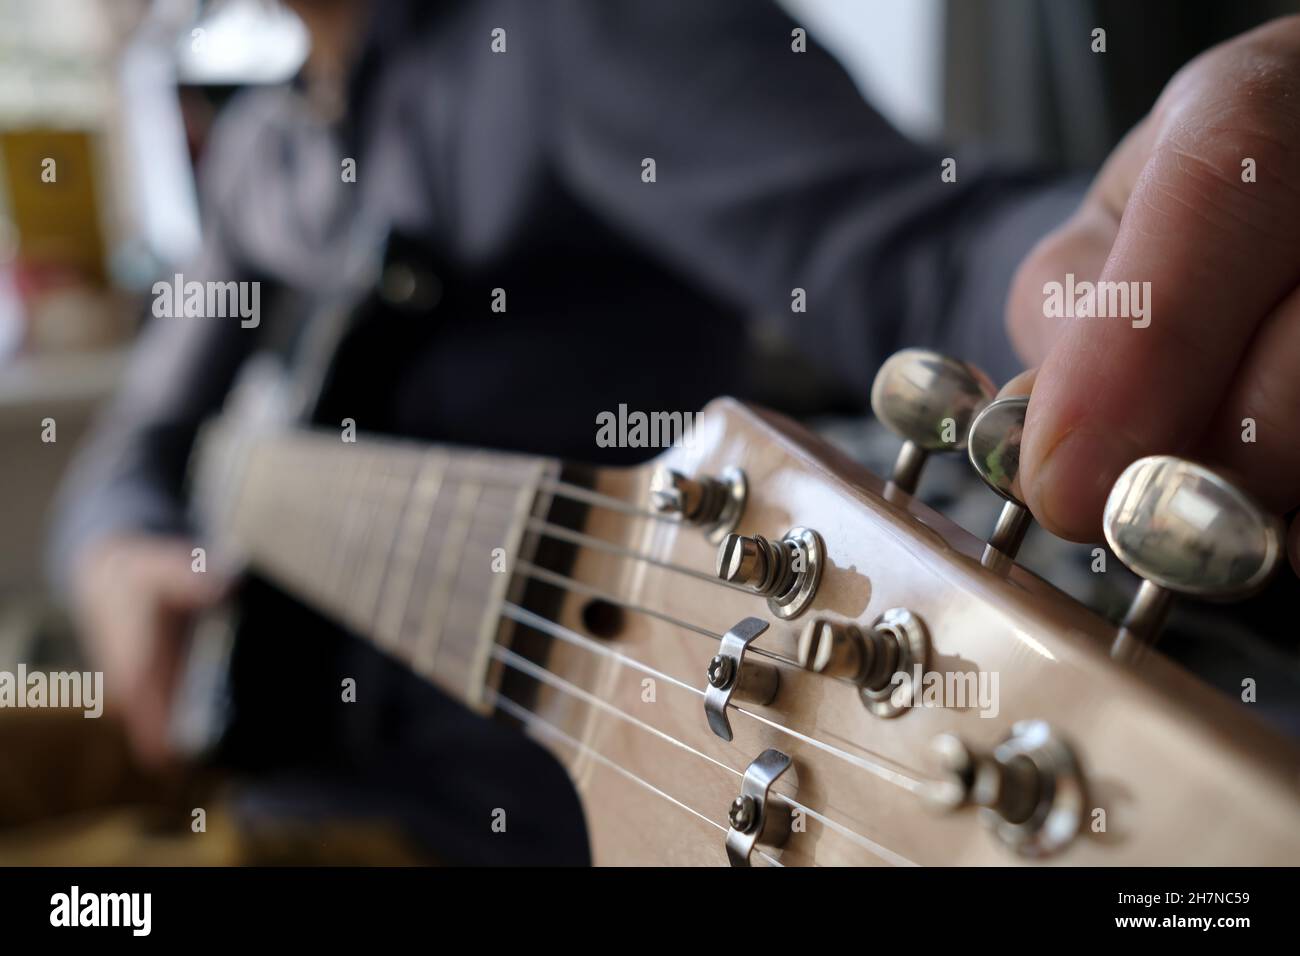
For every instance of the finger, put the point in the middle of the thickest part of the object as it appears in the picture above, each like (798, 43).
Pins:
(1254, 432)
(1022, 384)
(1210, 256)
(1078, 247)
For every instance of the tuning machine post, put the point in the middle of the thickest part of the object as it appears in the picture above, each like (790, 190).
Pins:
(881, 660)
(786, 572)
(993, 446)
(712, 504)
(928, 400)
(1030, 787)
(755, 821)
(1187, 529)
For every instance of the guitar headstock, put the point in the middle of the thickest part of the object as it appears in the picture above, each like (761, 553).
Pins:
(915, 676)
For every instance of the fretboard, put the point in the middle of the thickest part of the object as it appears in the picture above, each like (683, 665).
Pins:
(409, 546)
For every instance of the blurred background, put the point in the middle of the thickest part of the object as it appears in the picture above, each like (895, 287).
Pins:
(121, 95)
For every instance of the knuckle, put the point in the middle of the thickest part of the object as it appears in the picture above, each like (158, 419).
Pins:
(1199, 164)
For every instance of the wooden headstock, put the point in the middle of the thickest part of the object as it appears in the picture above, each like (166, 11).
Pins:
(1166, 764)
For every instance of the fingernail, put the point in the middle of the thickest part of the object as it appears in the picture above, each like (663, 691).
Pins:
(1073, 482)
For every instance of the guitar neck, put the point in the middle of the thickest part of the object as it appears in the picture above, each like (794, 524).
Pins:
(406, 545)
(428, 552)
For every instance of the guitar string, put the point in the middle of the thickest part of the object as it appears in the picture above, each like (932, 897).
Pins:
(526, 716)
(554, 629)
(492, 473)
(577, 493)
(539, 673)
(566, 583)
(558, 580)
(577, 537)
(488, 474)
(555, 579)
(564, 489)
(563, 533)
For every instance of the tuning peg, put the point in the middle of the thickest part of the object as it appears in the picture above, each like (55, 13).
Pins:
(1030, 787)
(1187, 529)
(713, 504)
(881, 660)
(786, 572)
(993, 445)
(928, 400)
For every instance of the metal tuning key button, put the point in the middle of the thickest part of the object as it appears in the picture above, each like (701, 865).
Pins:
(786, 572)
(713, 504)
(730, 675)
(993, 445)
(928, 400)
(1030, 787)
(1184, 528)
(754, 820)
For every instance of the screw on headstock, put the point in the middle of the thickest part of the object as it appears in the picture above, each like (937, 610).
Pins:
(742, 814)
(720, 671)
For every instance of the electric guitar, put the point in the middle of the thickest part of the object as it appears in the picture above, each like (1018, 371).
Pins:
(754, 651)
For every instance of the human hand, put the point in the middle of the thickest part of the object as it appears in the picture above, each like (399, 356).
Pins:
(1172, 207)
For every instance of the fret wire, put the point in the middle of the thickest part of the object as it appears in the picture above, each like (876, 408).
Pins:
(347, 573)
(345, 587)
(354, 475)
(278, 550)
(484, 476)
(550, 678)
(309, 511)
(394, 500)
(489, 623)
(427, 487)
(531, 619)
(374, 543)
(362, 473)
(305, 512)
(526, 716)
(330, 540)
(444, 577)
(371, 496)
